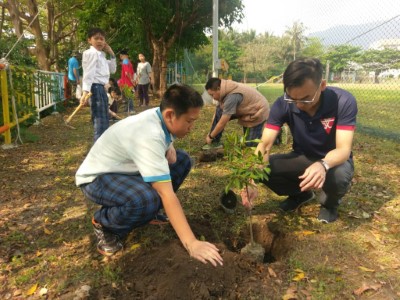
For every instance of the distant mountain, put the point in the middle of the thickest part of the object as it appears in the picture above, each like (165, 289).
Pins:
(362, 35)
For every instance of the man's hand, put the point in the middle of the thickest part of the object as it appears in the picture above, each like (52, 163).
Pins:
(248, 196)
(84, 100)
(204, 251)
(208, 140)
(261, 149)
(313, 177)
(171, 155)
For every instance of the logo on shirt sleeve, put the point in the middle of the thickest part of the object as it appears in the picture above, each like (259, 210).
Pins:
(328, 123)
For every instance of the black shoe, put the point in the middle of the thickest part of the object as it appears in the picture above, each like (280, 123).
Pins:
(328, 215)
(107, 243)
(293, 202)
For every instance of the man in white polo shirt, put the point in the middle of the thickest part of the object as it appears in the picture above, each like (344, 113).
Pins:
(133, 170)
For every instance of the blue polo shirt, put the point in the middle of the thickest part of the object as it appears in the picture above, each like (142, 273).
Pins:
(72, 64)
(315, 136)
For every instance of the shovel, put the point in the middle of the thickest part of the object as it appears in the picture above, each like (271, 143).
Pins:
(68, 119)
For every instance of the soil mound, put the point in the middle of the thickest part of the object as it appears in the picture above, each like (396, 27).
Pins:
(168, 272)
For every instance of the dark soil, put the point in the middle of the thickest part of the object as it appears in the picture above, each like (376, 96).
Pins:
(45, 218)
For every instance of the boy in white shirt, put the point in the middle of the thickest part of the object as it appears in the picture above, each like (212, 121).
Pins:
(96, 73)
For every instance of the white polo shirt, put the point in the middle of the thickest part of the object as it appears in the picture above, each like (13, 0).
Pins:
(96, 68)
(135, 145)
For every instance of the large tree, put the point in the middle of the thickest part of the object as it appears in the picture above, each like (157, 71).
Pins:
(340, 56)
(165, 25)
(51, 24)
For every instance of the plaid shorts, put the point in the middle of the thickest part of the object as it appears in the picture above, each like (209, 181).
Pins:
(99, 109)
(127, 201)
(253, 133)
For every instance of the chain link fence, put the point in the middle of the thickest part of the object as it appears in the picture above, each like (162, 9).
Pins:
(363, 59)
(368, 64)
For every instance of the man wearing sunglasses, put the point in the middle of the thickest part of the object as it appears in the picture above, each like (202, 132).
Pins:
(322, 122)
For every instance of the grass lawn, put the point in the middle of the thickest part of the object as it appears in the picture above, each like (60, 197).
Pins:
(46, 241)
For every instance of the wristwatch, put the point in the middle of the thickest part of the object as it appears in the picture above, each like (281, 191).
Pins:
(325, 164)
(210, 137)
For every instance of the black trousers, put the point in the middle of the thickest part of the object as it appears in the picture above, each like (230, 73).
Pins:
(286, 169)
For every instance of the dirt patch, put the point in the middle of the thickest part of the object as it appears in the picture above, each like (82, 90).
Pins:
(168, 272)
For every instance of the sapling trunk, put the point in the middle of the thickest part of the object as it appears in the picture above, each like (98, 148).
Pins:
(250, 219)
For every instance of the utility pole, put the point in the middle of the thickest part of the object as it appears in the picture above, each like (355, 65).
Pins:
(215, 38)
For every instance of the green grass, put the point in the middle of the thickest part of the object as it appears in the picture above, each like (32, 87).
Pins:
(66, 259)
(378, 106)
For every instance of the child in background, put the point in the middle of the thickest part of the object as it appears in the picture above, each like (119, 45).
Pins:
(114, 96)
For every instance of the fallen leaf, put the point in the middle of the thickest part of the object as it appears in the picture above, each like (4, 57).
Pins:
(271, 272)
(366, 287)
(305, 293)
(47, 231)
(298, 277)
(376, 235)
(289, 297)
(298, 270)
(366, 215)
(291, 293)
(135, 246)
(42, 292)
(365, 269)
(32, 290)
(304, 233)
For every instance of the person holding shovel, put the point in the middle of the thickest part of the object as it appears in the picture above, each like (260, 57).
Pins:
(322, 121)
(96, 73)
(235, 101)
(133, 170)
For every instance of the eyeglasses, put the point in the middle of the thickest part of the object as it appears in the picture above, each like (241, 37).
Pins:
(290, 100)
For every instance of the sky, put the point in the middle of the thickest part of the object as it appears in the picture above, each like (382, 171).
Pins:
(317, 15)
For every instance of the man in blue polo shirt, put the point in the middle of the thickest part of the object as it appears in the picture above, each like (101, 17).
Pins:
(133, 170)
(73, 72)
(322, 122)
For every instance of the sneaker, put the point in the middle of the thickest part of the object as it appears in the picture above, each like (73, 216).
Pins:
(293, 202)
(328, 215)
(159, 219)
(107, 243)
(212, 146)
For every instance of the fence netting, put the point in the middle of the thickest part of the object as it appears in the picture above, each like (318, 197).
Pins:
(363, 58)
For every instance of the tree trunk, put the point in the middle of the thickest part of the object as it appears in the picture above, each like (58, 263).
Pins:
(15, 16)
(3, 10)
(163, 73)
(156, 67)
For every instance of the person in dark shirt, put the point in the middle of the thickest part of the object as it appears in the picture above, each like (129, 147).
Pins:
(322, 122)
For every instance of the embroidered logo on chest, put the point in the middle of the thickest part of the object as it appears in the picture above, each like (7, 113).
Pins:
(328, 123)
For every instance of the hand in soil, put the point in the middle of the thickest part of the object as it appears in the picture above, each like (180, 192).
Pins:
(205, 251)
(248, 196)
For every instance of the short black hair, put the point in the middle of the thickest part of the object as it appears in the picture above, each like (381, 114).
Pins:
(213, 84)
(115, 89)
(123, 52)
(95, 30)
(181, 98)
(300, 70)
